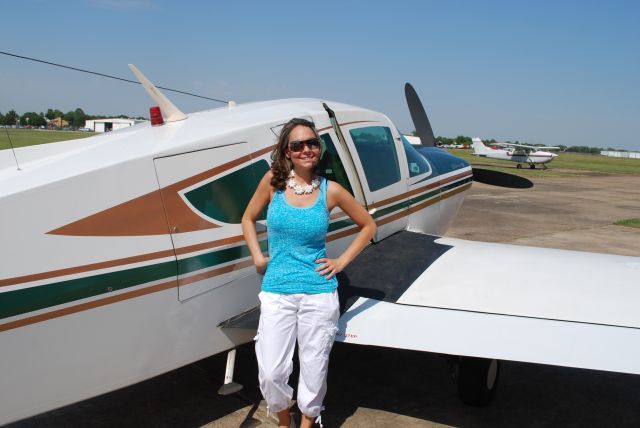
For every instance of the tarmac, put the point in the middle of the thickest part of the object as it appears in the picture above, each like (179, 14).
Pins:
(379, 387)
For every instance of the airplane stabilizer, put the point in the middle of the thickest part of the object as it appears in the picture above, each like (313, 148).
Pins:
(478, 146)
(170, 112)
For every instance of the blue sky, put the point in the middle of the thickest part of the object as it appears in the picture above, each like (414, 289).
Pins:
(556, 72)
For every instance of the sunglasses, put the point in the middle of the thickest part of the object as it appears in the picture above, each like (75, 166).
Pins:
(298, 145)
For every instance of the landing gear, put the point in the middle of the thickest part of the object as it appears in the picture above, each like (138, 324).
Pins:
(532, 166)
(544, 166)
(477, 379)
(518, 166)
(230, 387)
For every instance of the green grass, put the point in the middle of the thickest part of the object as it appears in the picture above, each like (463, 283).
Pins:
(566, 164)
(597, 163)
(30, 137)
(629, 222)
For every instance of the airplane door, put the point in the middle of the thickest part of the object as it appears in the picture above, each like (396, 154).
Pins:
(204, 194)
(381, 167)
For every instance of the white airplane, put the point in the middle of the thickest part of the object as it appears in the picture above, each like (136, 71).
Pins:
(519, 153)
(123, 258)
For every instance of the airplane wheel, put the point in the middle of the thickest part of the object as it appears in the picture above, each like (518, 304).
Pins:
(532, 166)
(477, 380)
(518, 166)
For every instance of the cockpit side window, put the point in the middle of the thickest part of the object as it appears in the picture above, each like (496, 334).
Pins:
(415, 161)
(330, 165)
(377, 152)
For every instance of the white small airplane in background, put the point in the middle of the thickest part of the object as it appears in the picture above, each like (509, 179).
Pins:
(520, 153)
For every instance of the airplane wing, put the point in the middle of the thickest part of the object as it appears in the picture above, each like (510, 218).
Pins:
(518, 149)
(524, 146)
(458, 297)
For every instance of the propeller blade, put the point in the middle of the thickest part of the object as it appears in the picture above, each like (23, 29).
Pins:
(419, 117)
(500, 179)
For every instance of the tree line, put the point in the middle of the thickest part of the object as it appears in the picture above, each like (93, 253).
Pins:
(462, 140)
(75, 118)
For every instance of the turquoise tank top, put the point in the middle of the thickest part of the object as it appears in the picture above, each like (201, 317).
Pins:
(297, 238)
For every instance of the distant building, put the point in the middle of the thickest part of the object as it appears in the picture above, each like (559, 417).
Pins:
(616, 154)
(110, 124)
(58, 122)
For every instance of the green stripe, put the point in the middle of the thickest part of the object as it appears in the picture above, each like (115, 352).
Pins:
(18, 302)
(412, 201)
(340, 224)
(400, 205)
(32, 299)
(207, 260)
(457, 184)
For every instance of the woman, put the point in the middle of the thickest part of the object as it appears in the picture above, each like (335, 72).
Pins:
(298, 297)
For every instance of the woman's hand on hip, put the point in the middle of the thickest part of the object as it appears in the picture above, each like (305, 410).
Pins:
(329, 266)
(261, 264)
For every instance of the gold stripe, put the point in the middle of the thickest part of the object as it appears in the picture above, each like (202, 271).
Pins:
(419, 190)
(205, 275)
(85, 268)
(119, 297)
(422, 205)
(336, 215)
(344, 233)
(403, 213)
(144, 215)
(144, 257)
(123, 261)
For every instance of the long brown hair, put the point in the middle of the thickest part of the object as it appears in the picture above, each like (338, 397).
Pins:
(281, 166)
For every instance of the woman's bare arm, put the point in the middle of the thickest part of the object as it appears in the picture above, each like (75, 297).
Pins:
(259, 200)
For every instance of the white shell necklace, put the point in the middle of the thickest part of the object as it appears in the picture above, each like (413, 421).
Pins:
(302, 190)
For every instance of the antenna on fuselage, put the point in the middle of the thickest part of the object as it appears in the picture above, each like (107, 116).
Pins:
(170, 112)
(13, 150)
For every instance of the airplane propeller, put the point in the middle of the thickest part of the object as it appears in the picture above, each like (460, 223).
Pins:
(425, 132)
(419, 116)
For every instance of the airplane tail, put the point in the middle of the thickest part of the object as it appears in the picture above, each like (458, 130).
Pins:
(478, 146)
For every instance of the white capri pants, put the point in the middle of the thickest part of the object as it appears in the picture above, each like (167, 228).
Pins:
(313, 320)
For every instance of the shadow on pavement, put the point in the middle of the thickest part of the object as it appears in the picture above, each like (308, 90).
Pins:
(395, 383)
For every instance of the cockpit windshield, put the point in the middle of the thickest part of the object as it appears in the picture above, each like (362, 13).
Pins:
(415, 161)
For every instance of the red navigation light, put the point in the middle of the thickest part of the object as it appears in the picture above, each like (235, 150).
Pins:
(156, 116)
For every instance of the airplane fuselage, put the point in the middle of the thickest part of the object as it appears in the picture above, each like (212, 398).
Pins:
(125, 252)
(537, 157)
